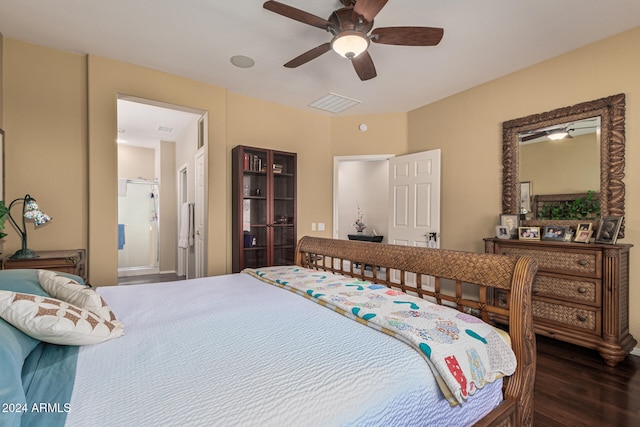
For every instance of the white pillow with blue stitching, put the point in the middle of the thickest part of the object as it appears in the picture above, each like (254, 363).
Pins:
(54, 321)
(67, 289)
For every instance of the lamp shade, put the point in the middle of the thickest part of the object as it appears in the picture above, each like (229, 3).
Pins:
(349, 44)
(30, 211)
(33, 212)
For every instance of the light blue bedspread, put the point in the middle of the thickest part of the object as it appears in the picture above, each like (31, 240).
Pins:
(47, 376)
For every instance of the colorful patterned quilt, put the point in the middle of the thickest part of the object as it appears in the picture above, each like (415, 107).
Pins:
(463, 352)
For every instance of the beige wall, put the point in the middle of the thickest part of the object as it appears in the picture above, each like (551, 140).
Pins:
(467, 127)
(267, 125)
(107, 79)
(385, 134)
(562, 167)
(168, 207)
(49, 88)
(1, 81)
(136, 162)
(45, 120)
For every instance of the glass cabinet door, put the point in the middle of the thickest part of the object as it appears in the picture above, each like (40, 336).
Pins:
(284, 208)
(254, 208)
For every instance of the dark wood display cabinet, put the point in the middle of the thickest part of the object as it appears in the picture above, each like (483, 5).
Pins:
(264, 207)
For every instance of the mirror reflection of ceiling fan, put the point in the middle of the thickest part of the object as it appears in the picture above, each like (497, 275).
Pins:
(560, 132)
(350, 27)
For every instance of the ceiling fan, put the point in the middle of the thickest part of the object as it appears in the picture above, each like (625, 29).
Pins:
(350, 27)
(554, 134)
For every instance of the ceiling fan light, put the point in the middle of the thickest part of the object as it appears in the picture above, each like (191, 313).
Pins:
(349, 44)
(556, 136)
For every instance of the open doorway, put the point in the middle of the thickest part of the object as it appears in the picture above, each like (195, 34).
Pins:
(396, 197)
(361, 192)
(155, 141)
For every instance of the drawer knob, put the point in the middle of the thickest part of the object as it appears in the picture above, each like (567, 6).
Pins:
(582, 290)
(582, 318)
(582, 262)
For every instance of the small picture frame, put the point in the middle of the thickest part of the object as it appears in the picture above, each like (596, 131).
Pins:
(529, 233)
(512, 222)
(554, 232)
(583, 236)
(608, 229)
(502, 232)
(584, 226)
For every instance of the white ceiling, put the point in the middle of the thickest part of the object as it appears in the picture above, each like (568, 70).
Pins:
(143, 124)
(483, 40)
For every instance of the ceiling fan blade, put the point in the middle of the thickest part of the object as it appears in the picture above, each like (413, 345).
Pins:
(532, 136)
(364, 67)
(408, 36)
(368, 9)
(309, 55)
(296, 14)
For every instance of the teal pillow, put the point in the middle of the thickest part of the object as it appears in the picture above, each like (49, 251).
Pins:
(15, 346)
(26, 281)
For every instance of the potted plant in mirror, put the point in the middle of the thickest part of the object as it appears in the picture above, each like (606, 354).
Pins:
(4, 211)
(581, 208)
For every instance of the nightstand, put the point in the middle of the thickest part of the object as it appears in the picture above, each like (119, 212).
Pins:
(67, 261)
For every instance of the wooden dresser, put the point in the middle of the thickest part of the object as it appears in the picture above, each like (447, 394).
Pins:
(580, 295)
(67, 261)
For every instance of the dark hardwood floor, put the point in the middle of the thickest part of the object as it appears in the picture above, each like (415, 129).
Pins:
(574, 387)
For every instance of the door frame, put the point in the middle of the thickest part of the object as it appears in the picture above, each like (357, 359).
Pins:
(201, 230)
(336, 167)
(182, 176)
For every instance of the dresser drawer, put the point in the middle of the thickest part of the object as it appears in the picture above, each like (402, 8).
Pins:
(584, 319)
(585, 263)
(567, 288)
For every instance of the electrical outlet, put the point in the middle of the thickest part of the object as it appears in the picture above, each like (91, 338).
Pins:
(313, 226)
(321, 226)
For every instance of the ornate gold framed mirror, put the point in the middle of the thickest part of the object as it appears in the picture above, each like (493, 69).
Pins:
(611, 114)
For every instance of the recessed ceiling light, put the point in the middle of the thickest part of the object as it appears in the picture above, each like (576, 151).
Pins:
(242, 61)
(165, 129)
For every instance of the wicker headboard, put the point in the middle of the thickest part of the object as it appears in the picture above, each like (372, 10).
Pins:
(405, 268)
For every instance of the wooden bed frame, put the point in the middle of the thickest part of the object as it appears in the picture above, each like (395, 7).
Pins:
(392, 265)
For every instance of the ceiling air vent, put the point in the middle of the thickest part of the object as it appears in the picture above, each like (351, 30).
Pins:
(334, 103)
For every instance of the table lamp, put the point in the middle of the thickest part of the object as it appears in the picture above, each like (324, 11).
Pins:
(30, 211)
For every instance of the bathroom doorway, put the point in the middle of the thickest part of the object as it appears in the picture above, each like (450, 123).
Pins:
(138, 227)
(154, 138)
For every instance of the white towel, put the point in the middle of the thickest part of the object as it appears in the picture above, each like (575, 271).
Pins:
(122, 187)
(185, 237)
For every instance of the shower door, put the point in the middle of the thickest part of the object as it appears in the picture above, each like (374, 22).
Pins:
(138, 229)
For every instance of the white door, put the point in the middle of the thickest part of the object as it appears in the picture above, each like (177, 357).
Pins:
(200, 215)
(414, 199)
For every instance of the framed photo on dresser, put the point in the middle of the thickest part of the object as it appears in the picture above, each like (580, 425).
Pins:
(608, 229)
(511, 222)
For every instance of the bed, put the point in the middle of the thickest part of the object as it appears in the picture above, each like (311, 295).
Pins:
(279, 346)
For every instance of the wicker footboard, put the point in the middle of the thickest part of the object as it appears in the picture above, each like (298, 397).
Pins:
(463, 280)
